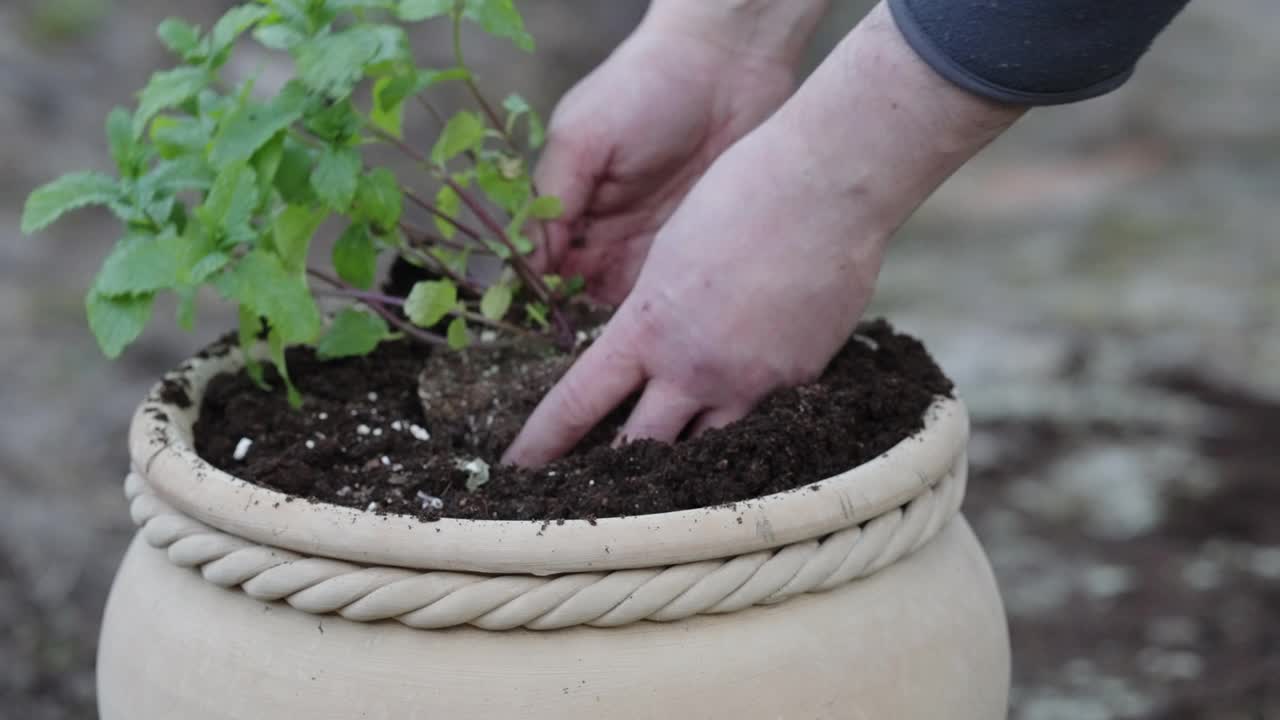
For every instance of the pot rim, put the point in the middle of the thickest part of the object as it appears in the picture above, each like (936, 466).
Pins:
(162, 451)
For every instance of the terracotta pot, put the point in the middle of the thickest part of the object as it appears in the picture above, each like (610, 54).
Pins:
(865, 595)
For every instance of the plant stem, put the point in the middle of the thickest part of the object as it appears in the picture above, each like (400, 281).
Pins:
(381, 299)
(431, 238)
(464, 229)
(472, 88)
(564, 329)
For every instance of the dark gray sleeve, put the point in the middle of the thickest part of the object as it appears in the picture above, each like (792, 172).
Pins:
(1033, 52)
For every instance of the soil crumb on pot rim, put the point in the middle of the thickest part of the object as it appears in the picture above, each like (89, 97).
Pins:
(364, 440)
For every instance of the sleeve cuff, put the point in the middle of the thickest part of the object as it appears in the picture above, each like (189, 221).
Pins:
(953, 71)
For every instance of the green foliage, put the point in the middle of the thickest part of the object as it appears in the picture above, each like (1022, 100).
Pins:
(226, 187)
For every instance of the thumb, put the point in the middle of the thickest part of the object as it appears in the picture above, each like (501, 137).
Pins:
(597, 383)
(568, 169)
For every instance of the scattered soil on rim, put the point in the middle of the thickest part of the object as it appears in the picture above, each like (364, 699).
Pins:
(363, 438)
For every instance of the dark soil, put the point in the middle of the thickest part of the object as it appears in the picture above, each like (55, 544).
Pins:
(359, 441)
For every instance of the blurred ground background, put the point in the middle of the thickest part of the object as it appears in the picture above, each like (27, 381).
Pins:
(1103, 284)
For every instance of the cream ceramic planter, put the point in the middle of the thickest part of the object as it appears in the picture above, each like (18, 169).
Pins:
(863, 596)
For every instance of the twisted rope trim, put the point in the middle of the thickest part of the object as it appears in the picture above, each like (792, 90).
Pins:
(439, 599)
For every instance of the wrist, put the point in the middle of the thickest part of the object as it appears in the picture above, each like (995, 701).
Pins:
(775, 30)
(879, 128)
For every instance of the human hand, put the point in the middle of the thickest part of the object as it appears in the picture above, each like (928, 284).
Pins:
(751, 286)
(629, 141)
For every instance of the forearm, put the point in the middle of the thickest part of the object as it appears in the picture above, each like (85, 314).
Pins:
(876, 130)
(769, 29)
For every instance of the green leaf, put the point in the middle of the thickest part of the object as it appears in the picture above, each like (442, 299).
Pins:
(167, 89)
(175, 136)
(463, 132)
(537, 312)
(546, 207)
(517, 107)
(184, 173)
(293, 230)
(419, 10)
(266, 163)
(253, 125)
(180, 37)
(355, 258)
(261, 281)
(500, 18)
(186, 314)
(509, 193)
(67, 193)
(333, 64)
(276, 345)
(388, 117)
(279, 36)
(293, 177)
(232, 25)
(379, 198)
(457, 335)
(140, 264)
(337, 123)
(430, 301)
(496, 302)
(336, 177)
(447, 202)
(399, 88)
(117, 321)
(124, 147)
(232, 200)
(353, 333)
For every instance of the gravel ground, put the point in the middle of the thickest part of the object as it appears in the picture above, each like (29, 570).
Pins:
(1103, 284)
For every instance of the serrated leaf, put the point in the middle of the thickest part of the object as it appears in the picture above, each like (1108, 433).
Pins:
(333, 64)
(279, 36)
(496, 302)
(293, 230)
(117, 321)
(449, 203)
(457, 335)
(182, 38)
(253, 125)
(293, 177)
(232, 199)
(546, 207)
(336, 177)
(205, 267)
(124, 147)
(167, 89)
(140, 264)
(69, 192)
(337, 123)
(232, 25)
(184, 173)
(379, 198)
(430, 301)
(463, 132)
(266, 162)
(500, 18)
(260, 281)
(355, 257)
(419, 10)
(352, 333)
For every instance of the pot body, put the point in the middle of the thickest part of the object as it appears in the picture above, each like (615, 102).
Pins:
(923, 638)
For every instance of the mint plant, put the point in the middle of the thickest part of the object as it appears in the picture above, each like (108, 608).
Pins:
(222, 188)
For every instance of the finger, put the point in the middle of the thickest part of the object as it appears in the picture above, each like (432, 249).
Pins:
(662, 414)
(597, 383)
(717, 418)
(570, 171)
